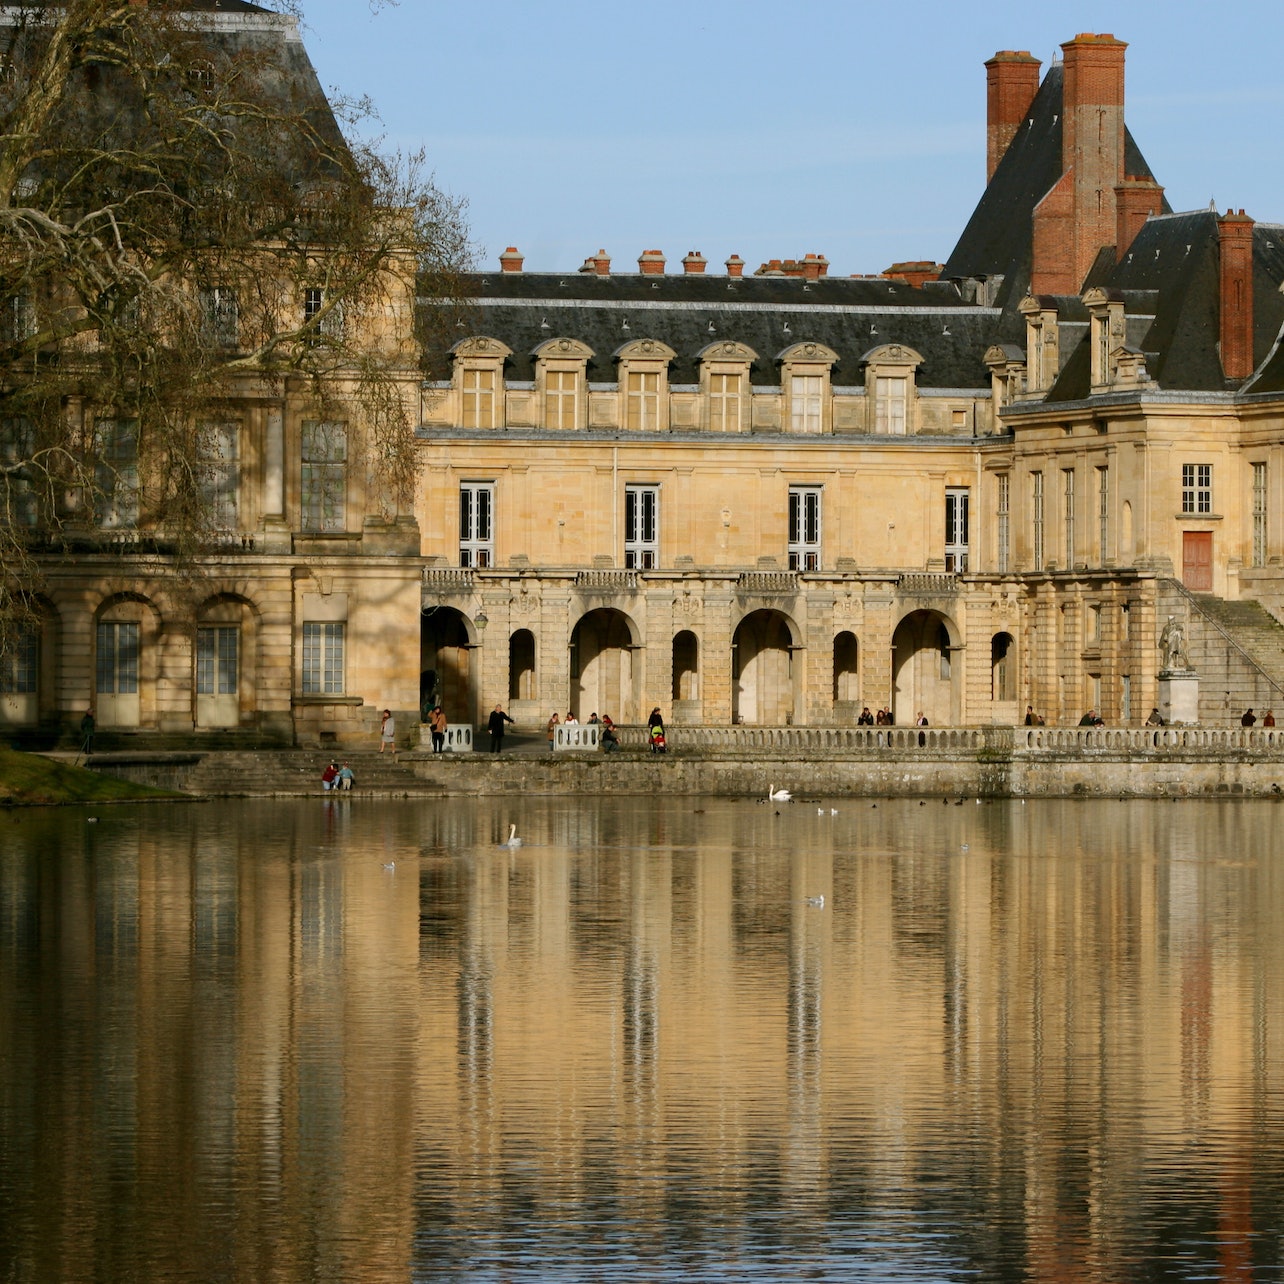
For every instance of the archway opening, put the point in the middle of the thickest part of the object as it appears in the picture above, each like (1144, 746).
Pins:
(602, 672)
(1002, 667)
(445, 664)
(925, 678)
(224, 660)
(764, 675)
(686, 668)
(846, 686)
(521, 667)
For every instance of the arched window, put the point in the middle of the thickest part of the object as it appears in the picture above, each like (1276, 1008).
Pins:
(1002, 686)
(521, 666)
(846, 657)
(686, 666)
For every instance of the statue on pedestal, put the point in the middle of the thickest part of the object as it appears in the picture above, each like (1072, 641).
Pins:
(1172, 643)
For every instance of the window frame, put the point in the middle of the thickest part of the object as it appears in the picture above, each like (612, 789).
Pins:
(477, 524)
(324, 658)
(117, 497)
(323, 476)
(1196, 490)
(957, 549)
(1261, 513)
(805, 530)
(641, 526)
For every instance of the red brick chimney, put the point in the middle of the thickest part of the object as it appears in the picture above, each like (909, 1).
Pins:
(694, 263)
(1235, 245)
(1136, 199)
(1011, 82)
(511, 260)
(651, 262)
(735, 266)
(814, 266)
(1077, 218)
(598, 264)
(914, 273)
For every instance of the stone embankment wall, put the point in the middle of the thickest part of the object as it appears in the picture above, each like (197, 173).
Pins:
(985, 762)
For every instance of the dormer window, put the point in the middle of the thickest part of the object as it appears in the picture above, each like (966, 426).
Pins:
(479, 381)
(890, 389)
(804, 381)
(644, 384)
(561, 381)
(724, 380)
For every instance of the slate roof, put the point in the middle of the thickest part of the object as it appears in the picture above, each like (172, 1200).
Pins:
(1171, 272)
(998, 238)
(769, 314)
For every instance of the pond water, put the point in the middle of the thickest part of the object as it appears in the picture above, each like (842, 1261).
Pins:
(359, 1040)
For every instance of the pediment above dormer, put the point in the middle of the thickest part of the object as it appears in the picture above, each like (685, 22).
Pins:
(892, 354)
(727, 350)
(644, 350)
(562, 349)
(808, 351)
(481, 345)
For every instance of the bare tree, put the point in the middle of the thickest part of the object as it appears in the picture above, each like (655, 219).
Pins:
(183, 221)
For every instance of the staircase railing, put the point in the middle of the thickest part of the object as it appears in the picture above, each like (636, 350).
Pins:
(1196, 605)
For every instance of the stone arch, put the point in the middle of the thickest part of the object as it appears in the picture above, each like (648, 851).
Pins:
(225, 661)
(126, 660)
(846, 677)
(925, 677)
(447, 639)
(686, 672)
(1003, 676)
(521, 667)
(603, 675)
(766, 680)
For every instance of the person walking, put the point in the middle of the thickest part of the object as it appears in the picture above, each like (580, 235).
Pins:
(437, 725)
(655, 730)
(495, 725)
(388, 732)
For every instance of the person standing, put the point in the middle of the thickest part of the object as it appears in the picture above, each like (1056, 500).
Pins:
(437, 725)
(1248, 719)
(552, 731)
(388, 732)
(87, 727)
(495, 725)
(655, 730)
(344, 779)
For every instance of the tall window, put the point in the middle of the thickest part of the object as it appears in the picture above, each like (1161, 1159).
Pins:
(478, 398)
(477, 524)
(117, 659)
(1036, 510)
(804, 528)
(890, 395)
(1004, 522)
(1067, 508)
(724, 402)
(805, 396)
(956, 528)
(330, 325)
(641, 527)
(221, 316)
(116, 473)
(560, 396)
(19, 318)
(1259, 515)
(17, 494)
(325, 475)
(643, 406)
(222, 476)
(1103, 516)
(1196, 488)
(20, 668)
(323, 658)
(217, 659)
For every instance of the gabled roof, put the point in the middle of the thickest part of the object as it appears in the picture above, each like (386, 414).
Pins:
(998, 238)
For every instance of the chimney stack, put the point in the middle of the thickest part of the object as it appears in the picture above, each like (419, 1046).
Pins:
(598, 264)
(651, 262)
(1235, 246)
(1011, 82)
(1136, 199)
(511, 260)
(735, 266)
(694, 263)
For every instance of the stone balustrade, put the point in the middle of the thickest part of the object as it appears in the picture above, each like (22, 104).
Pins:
(459, 738)
(576, 737)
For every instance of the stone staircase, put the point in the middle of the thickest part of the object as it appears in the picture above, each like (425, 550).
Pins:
(1237, 648)
(298, 771)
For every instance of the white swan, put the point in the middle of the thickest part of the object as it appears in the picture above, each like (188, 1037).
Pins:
(513, 840)
(778, 795)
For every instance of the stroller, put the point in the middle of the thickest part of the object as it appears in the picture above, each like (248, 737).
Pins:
(657, 740)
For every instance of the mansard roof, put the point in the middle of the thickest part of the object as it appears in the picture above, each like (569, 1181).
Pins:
(1169, 278)
(998, 238)
(767, 314)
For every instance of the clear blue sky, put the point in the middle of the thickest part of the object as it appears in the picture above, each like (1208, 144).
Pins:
(851, 129)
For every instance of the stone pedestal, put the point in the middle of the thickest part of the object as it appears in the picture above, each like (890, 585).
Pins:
(1179, 696)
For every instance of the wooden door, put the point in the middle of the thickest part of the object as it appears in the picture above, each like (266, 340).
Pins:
(1197, 561)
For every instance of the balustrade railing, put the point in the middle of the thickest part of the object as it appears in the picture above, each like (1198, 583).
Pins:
(447, 579)
(607, 581)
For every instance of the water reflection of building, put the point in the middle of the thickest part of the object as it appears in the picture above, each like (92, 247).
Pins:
(1013, 1045)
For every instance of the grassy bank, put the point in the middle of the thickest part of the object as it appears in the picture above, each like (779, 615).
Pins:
(27, 779)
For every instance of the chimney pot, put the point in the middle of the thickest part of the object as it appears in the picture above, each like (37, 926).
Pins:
(651, 262)
(694, 263)
(735, 266)
(511, 260)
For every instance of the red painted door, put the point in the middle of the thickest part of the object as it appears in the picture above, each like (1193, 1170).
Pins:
(1197, 561)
